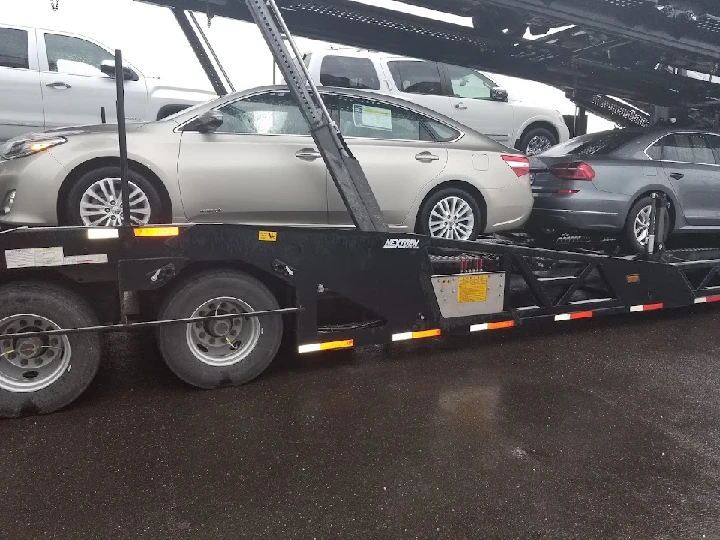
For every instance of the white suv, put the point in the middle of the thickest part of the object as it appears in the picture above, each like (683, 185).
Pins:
(465, 95)
(52, 79)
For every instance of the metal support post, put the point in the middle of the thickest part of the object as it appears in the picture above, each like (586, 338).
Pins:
(122, 136)
(344, 169)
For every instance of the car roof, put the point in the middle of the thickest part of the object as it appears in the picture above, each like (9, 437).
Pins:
(376, 96)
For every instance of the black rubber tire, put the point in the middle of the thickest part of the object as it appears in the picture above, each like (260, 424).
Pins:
(68, 310)
(628, 239)
(424, 214)
(72, 203)
(193, 292)
(528, 135)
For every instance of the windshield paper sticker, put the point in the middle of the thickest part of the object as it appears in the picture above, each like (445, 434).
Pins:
(372, 117)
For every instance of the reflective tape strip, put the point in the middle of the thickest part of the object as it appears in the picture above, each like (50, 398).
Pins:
(156, 231)
(646, 307)
(573, 316)
(492, 326)
(102, 234)
(327, 346)
(707, 299)
(404, 336)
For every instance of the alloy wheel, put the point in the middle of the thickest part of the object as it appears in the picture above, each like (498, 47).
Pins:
(453, 218)
(101, 204)
(538, 144)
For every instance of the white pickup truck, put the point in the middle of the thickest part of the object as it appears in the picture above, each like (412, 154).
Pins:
(52, 79)
(465, 95)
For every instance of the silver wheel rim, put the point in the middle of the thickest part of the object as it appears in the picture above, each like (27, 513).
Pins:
(537, 144)
(29, 364)
(101, 204)
(223, 342)
(453, 218)
(642, 225)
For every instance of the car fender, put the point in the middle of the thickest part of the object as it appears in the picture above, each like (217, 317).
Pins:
(442, 180)
(649, 188)
(164, 166)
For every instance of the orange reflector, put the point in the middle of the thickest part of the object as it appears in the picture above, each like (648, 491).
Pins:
(156, 231)
(492, 326)
(416, 335)
(633, 278)
(327, 346)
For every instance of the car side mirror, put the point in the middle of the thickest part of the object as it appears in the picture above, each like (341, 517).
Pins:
(108, 68)
(207, 122)
(498, 94)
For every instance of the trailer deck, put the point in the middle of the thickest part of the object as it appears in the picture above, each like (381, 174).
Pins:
(223, 296)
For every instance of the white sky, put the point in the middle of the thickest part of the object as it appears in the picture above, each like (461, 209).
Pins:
(152, 41)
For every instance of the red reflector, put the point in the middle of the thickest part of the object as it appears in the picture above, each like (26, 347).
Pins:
(713, 299)
(577, 170)
(652, 307)
(567, 191)
(519, 164)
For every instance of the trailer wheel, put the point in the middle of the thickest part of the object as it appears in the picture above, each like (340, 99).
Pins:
(40, 375)
(223, 352)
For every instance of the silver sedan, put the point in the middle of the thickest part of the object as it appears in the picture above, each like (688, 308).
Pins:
(248, 157)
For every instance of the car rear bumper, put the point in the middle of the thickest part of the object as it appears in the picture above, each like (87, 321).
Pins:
(583, 211)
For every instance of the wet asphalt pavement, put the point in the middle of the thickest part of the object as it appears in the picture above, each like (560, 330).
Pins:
(604, 428)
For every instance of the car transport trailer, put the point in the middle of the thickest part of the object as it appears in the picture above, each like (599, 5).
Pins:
(222, 296)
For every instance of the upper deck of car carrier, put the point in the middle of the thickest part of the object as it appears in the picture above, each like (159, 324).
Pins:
(223, 295)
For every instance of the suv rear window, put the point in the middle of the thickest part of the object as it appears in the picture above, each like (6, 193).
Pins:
(14, 48)
(595, 144)
(349, 72)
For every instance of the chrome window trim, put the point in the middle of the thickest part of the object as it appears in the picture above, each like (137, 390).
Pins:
(703, 133)
(179, 127)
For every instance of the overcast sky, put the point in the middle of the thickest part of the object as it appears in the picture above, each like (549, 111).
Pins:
(152, 41)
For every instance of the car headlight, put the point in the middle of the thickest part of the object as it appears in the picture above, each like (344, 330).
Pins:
(22, 147)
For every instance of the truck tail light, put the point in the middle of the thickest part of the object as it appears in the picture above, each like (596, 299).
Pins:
(519, 164)
(578, 170)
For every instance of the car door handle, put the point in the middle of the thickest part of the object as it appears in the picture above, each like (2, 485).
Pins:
(676, 175)
(460, 106)
(308, 154)
(58, 84)
(426, 157)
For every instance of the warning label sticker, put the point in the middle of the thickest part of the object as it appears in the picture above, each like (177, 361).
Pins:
(472, 289)
(267, 236)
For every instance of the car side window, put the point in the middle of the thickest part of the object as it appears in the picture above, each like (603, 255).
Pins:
(75, 56)
(468, 83)
(714, 141)
(359, 117)
(349, 72)
(14, 48)
(273, 113)
(687, 148)
(416, 77)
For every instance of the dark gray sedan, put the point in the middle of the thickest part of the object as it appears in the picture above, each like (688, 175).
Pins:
(602, 183)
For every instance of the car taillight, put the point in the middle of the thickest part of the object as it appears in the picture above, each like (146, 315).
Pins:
(578, 170)
(519, 164)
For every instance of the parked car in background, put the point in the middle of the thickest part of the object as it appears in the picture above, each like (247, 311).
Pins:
(463, 94)
(249, 157)
(602, 183)
(52, 79)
